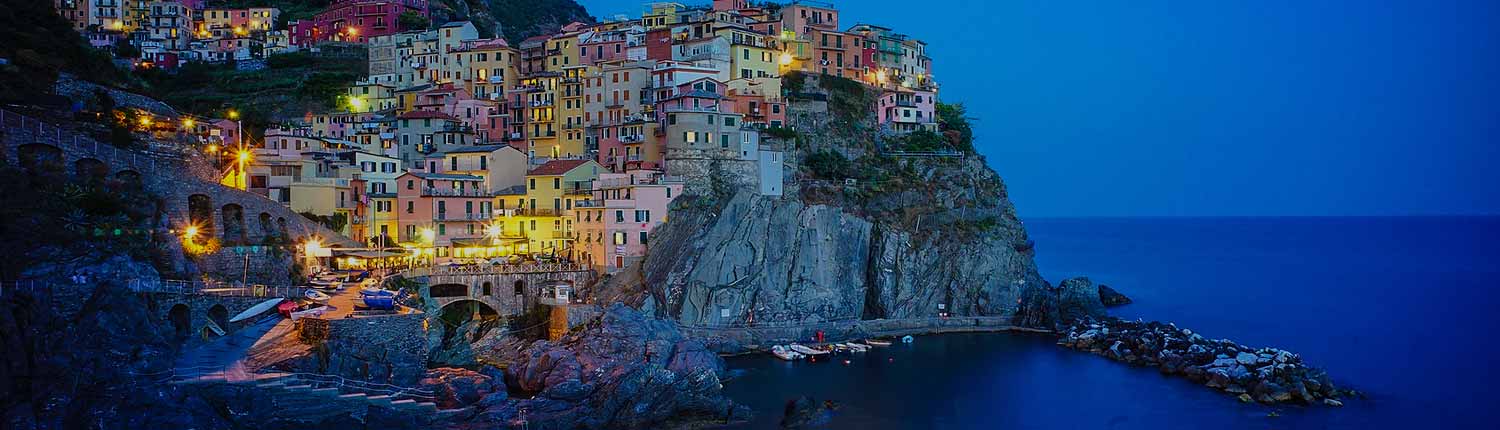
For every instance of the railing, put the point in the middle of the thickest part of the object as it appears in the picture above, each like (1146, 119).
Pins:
(443, 216)
(632, 138)
(41, 132)
(215, 288)
(452, 192)
(497, 269)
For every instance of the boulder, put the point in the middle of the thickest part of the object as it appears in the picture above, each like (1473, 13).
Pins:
(621, 370)
(456, 388)
(807, 412)
(1111, 298)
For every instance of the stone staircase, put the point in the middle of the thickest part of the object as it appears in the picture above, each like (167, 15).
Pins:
(314, 397)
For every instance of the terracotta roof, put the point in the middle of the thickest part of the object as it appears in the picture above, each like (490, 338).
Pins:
(421, 114)
(556, 167)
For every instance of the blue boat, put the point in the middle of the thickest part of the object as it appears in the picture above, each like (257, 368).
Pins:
(378, 299)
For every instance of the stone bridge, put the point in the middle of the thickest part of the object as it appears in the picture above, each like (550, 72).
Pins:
(505, 289)
(186, 182)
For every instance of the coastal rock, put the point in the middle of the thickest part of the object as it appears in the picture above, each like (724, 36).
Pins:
(1245, 358)
(456, 388)
(807, 412)
(1111, 298)
(621, 370)
(1265, 375)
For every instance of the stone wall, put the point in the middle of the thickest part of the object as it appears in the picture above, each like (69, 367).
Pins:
(265, 266)
(174, 175)
(388, 349)
(199, 310)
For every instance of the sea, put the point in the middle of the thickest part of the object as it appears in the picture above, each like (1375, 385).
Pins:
(1403, 309)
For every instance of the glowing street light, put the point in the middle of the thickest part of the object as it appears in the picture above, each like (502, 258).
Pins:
(234, 114)
(428, 236)
(356, 104)
(187, 123)
(312, 246)
(190, 233)
(786, 58)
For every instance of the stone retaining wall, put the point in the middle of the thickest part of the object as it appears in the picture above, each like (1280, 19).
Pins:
(388, 349)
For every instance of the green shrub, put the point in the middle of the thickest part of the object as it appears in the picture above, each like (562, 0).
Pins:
(829, 165)
(782, 133)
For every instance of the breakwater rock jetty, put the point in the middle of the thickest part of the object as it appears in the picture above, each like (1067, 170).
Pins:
(1265, 375)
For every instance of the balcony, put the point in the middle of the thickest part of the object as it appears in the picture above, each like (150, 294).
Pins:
(906, 103)
(450, 192)
(443, 216)
(632, 138)
(533, 212)
(496, 79)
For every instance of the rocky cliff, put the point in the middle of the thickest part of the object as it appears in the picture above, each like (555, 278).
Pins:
(864, 231)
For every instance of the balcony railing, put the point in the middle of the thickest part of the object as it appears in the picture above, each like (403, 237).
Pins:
(451, 192)
(632, 138)
(468, 216)
(532, 212)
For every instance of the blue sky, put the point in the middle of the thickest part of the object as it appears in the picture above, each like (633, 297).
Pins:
(1225, 107)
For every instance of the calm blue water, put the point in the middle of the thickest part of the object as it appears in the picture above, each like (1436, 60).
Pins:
(1402, 308)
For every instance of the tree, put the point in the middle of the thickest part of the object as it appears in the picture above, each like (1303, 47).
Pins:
(123, 49)
(954, 120)
(409, 20)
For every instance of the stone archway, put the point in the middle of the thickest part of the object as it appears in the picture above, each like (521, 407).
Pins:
(265, 225)
(129, 177)
(181, 318)
(39, 158)
(201, 214)
(91, 169)
(234, 223)
(220, 316)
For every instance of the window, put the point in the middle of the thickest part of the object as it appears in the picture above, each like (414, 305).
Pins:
(410, 184)
(643, 238)
(409, 207)
(619, 216)
(619, 238)
(724, 140)
(533, 183)
(729, 121)
(557, 183)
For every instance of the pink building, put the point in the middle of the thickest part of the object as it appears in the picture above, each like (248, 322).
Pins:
(614, 225)
(605, 47)
(451, 206)
(907, 110)
(354, 21)
(759, 109)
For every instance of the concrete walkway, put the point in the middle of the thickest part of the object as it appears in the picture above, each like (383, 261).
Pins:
(225, 356)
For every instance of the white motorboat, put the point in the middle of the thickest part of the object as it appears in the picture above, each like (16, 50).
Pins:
(784, 353)
(877, 342)
(806, 351)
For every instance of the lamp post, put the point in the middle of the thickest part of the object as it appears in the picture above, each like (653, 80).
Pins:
(242, 156)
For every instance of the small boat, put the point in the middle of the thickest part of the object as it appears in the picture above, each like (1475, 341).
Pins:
(317, 296)
(807, 351)
(907, 339)
(784, 353)
(258, 309)
(325, 284)
(877, 342)
(858, 347)
(378, 299)
(313, 310)
(286, 308)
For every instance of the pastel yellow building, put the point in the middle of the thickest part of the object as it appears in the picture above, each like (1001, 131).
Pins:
(543, 213)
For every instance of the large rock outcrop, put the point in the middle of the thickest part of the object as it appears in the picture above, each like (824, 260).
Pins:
(862, 233)
(622, 370)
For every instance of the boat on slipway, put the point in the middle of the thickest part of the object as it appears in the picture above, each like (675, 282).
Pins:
(258, 309)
